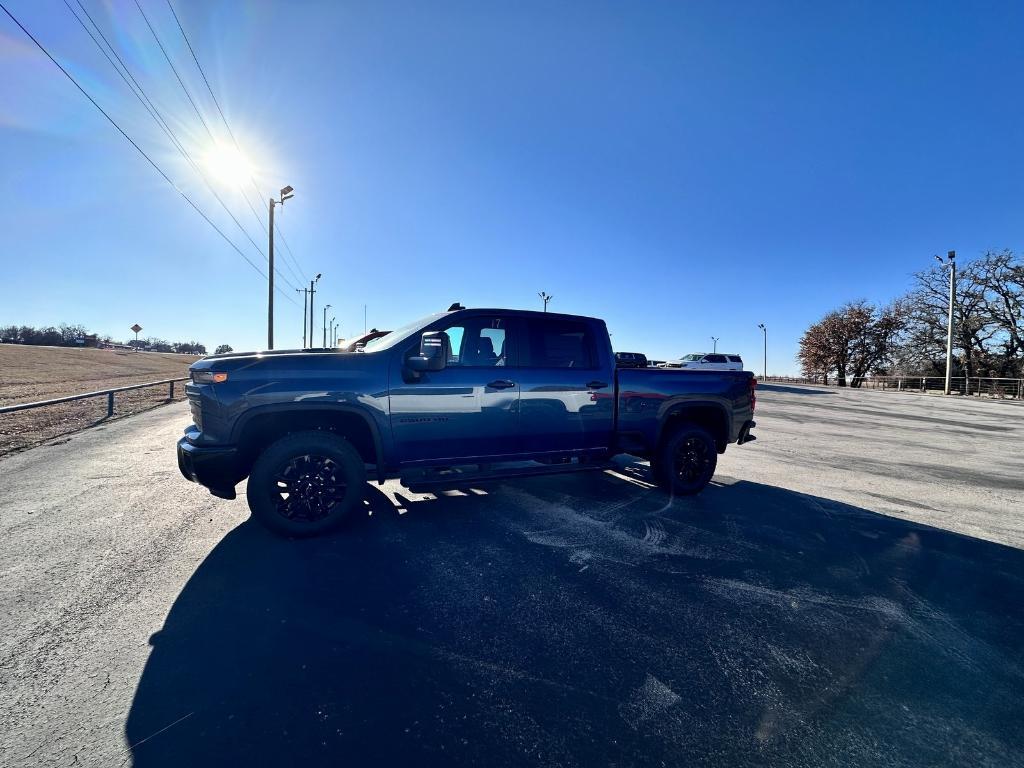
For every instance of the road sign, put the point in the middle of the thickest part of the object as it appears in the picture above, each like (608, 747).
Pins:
(136, 328)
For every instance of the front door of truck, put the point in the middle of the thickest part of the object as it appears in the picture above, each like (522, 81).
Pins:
(468, 410)
(567, 397)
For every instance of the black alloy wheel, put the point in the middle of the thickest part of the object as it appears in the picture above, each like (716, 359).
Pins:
(306, 483)
(308, 488)
(686, 461)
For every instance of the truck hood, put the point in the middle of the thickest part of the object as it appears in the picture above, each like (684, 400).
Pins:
(272, 359)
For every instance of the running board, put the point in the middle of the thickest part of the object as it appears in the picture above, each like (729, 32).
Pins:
(451, 479)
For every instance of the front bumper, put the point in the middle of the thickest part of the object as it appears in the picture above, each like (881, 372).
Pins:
(215, 467)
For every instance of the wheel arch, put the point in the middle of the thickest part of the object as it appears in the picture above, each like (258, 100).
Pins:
(260, 426)
(707, 415)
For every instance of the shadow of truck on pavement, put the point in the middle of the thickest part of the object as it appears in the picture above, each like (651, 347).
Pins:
(584, 621)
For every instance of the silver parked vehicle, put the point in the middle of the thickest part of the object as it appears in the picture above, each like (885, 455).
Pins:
(709, 361)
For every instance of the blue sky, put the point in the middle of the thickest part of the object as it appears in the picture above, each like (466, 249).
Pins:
(682, 169)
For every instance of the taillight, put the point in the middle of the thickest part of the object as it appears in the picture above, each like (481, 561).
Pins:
(753, 395)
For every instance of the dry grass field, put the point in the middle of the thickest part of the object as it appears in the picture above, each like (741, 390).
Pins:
(28, 374)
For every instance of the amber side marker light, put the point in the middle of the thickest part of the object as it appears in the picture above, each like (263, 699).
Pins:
(208, 377)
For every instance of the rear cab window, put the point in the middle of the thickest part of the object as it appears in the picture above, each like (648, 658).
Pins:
(559, 343)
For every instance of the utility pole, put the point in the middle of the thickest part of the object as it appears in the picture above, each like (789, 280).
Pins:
(286, 193)
(312, 290)
(305, 298)
(765, 332)
(951, 256)
(714, 339)
(325, 324)
(545, 297)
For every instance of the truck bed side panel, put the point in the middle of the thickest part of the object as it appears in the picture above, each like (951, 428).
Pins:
(646, 397)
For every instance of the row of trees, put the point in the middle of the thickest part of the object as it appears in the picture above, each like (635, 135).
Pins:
(153, 344)
(908, 336)
(63, 335)
(66, 335)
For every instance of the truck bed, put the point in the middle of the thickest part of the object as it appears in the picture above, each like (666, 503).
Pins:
(647, 396)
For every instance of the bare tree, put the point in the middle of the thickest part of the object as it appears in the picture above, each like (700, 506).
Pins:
(852, 341)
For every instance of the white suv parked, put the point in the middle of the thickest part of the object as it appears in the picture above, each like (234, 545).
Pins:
(711, 361)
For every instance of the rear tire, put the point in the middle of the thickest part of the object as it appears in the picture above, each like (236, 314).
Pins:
(686, 461)
(306, 484)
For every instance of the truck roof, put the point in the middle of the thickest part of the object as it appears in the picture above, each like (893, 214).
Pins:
(528, 313)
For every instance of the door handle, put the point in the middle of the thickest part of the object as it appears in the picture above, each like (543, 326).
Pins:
(501, 384)
(597, 384)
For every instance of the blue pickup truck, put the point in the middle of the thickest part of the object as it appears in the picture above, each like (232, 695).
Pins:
(451, 400)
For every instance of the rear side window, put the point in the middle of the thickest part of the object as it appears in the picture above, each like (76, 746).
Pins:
(716, 358)
(735, 359)
(560, 344)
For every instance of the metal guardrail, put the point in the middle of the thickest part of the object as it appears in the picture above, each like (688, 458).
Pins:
(108, 392)
(979, 386)
(975, 386)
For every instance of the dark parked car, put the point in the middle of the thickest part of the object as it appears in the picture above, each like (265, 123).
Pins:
(630, 360)
(508, 393)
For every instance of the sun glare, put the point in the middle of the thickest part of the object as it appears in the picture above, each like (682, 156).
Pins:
(227, 165)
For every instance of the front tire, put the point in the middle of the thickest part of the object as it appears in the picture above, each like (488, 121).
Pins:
(306, 484)
(686, 461)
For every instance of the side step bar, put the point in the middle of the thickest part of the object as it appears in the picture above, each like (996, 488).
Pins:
(450, 479)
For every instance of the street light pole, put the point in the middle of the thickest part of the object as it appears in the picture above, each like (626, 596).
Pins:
(714, 340)
(286, 193)
(764, 331)
(951, 255)
(312, 290)
(331, 334)
(545, 297)
(328, 306)
(270, 282)
(305, 298)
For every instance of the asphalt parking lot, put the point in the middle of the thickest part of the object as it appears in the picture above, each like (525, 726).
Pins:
(849, 591)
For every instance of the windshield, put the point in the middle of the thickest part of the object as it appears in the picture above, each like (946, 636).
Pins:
(396, 337)
(692, 358)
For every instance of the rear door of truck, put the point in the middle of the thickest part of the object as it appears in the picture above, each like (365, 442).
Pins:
(567, 386)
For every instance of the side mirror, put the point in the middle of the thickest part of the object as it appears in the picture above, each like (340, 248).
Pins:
(434, 352)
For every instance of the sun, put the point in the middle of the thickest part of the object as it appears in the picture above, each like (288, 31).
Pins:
(227, 165)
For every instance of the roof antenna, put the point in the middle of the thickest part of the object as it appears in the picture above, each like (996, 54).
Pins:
(455, 306)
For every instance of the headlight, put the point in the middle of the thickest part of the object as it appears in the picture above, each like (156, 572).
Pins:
(208, 377)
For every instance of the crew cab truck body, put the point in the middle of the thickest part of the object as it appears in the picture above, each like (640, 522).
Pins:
(508, 392)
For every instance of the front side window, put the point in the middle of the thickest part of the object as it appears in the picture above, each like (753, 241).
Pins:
(478, 342)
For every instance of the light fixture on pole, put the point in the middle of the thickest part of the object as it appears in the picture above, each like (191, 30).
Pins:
(286, 194)
(765, 332)
(714, 341)
(951, 256)
(545, 297)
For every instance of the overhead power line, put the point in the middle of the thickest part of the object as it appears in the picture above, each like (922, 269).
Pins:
(234, 140)
(209, 132)
(131, 141)
(150, 107)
